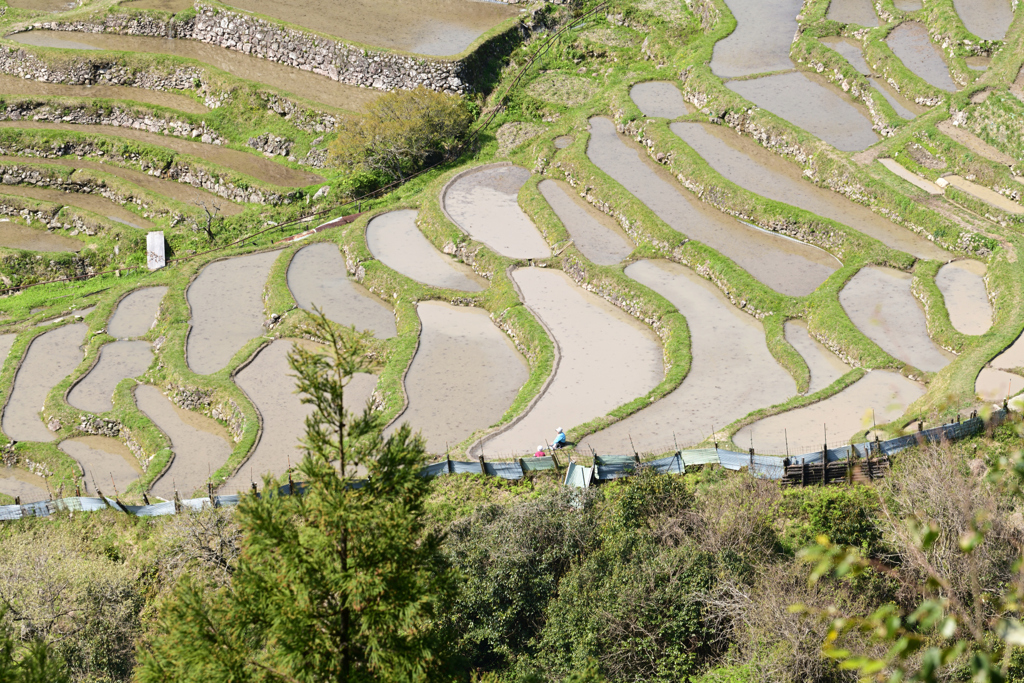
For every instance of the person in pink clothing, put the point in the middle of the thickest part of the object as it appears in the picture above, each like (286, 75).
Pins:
(540, 452)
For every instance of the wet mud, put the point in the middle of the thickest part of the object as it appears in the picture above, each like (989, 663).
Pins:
(607, 359)
(394, 239)
(51, 357)
(108, 465)
(12, 85)
(731, 374)
(911, 177)
(595, 234)
(813, 104)
(90, 202)
(252, 165)
(985, 194)
(200, 444)
(974, 143)
(879, 302)
(267, 383)
(484, 204)
(317, 277)
(962, 284)
(783, 264)
(304, 84)
(227, 309)
(659, 99)
(751, 166)
(18, 483)
(909, 5)
(859, 12)
(1012, 357)
(45, 5)
(879, 397)
(118, 360)
(17, 236)
(824, 366)
(987, 19)
(761, 40)
(6, 344)
(136, 313)
(910, 42)
(464, 376)
(427, 27)
(995, 386)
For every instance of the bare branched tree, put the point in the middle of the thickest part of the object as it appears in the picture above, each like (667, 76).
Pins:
(212, 210)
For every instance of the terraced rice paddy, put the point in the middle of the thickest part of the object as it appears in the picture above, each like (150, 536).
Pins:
(786, 265)
(18, 236)
(760, 43)
(92, 203)
(731, 374)
(853, 53)
(910, 42)
(962, 285)
(987, 19)
(108, 466)
(464, 376)
(394, 239)
(995, 383)
(484, 204)
(19, 484)
(658, 98)
(118, 360)
(595, 234)
(824, 366)
(136, 313)
(25, 86)
(859, 12)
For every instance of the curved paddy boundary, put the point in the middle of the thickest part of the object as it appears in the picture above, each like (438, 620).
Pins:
(100, 95)
(17, 202)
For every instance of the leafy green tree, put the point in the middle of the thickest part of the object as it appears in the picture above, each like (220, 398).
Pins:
(401, 131)
(341, 583)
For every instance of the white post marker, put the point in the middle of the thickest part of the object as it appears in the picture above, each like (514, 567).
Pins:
(155, 258)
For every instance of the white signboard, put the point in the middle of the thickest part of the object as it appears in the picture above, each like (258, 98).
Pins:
(155, 251)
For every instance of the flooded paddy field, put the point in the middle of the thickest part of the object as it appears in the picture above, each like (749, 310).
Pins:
(824, 366)
(783, 264)
(267, 383)
(484, 204)
(909, 5)
(253, 165)
(813, 104)
(200, 444)
(118, 360)
(962, 284)
(394, 239)
(879, 397)
(974, 143)
(18, 236)
(995, 386)
(6, 344)
(90, 202)
(911, 177)
(594, 233)
(317, 278)
(428, 27)
(659, 99)
(107, 464)
(860, 12)
(18, 483)
(45, 5)
(749, 165)
(227, 309)
(879, 302)
(607, 358)
(731, 373)
(760, 43)
(987, 19)
(136, 313)
(464, 376)
(12, 85)
(852, 51)
(304, 84)
(985, 194)
(910, 42)
(51, 357)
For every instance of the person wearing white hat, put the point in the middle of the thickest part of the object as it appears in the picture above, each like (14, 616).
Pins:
(540, 451)
(559, 439)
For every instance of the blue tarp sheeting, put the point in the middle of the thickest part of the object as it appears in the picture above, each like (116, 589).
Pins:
(700, 456)
(9, 513)
(608, 472)
(505, 470)
(733, 461)
(673, 464)
(577, 476)
(459, 467)
(435, 469)
(156, 510)
(536, 464)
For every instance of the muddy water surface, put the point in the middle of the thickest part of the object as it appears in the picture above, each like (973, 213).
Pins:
(317, 277)
(51, 357)
(295, 81)
(761, 40)
(850, 50)
(18, 483)
(428, 27)
(658, 98)
(995, 386)
(267, 383)
(909, 5)
(464, 376)
(962, 284)
(200, 444)
(594, 233)
(1012, 357)
(886, 394)
(118, 360)
(108, 465)
(253, 165)
(910, 42)
(12, 85)
(812, 104)
(987, 19)
(17, 236)
(136, 313)
(227, 309)
(45, 5)
(985, 194)
(732, 372)
(880, 304)
(607, 359)
(394, 239)
(785, 265)
(484, 203)
(859, 12)
(853, 53)
(6, 343)
(824, 366)
(749, 165)
(903, 107)
(90, 202)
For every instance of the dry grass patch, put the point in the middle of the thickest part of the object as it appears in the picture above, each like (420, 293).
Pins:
(511, 135)
(563, 89)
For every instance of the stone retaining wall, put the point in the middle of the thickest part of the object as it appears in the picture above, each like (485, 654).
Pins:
(16, 174)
